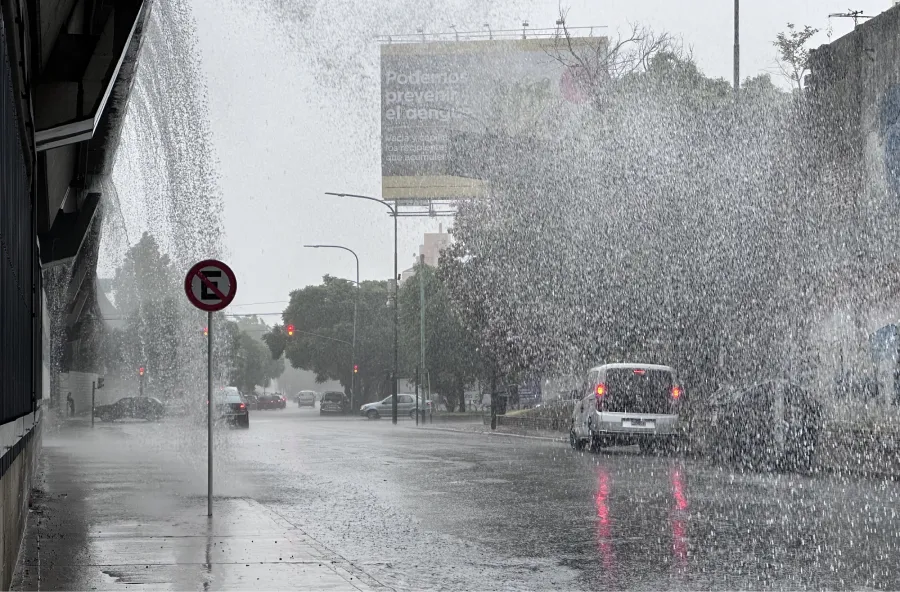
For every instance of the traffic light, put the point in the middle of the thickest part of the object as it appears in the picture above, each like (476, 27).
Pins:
(356, 368)
(141, 370)
(290, 330)
(206, 331)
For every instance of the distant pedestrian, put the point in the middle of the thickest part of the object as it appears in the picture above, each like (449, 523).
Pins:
(70, 404)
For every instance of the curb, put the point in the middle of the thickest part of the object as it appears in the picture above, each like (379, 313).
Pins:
(483, 433)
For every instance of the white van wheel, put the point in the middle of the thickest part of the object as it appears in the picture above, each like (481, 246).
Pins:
(574, 441)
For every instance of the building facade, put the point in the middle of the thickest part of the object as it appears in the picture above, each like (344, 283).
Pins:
(66, 71)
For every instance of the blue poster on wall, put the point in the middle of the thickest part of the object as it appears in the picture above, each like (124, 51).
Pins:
(530, 391)
(884, 344)
(889, 127)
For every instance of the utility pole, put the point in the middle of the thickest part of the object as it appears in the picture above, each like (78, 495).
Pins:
(422, 313)
(396, 322)
(737, 48)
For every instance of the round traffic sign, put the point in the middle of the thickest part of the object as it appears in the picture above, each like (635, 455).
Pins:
(210, 285)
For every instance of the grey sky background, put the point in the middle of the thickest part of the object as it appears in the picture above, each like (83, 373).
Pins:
(294, 113)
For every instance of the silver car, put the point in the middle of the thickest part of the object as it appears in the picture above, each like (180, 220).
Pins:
(406, 405)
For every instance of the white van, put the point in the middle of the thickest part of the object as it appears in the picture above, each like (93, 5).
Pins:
(306, 399)
(622, 404)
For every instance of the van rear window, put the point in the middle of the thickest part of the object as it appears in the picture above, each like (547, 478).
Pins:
(638, 390)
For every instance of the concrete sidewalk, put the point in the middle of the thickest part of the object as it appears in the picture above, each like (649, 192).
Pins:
(105, 521)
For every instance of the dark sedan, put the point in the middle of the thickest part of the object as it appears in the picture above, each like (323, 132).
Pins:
(772, 425)
(148, 408)
(271, 402)
(334, 402)
(232, 409)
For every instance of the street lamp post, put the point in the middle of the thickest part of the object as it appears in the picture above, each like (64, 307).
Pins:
(396, 296)
(737, 48)
(355, 310)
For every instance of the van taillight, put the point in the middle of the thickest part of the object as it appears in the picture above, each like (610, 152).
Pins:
(601, 390)
(676, 392)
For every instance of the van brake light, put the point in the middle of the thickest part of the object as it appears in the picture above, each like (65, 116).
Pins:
(601, 390)
(676, 392)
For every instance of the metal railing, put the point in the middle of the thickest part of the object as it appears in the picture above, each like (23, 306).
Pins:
(489, 34)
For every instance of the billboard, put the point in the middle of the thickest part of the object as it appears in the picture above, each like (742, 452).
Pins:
(439, 97)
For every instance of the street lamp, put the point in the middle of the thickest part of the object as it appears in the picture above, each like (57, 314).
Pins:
(355, 308)
(396, 296)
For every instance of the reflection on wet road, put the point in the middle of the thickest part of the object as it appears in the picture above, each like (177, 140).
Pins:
(420, 508)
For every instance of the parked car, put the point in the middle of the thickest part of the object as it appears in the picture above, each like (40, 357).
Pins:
(306, 399)
(334, 402)
(231, 408)
(624, 404)
(272, 401)
(406, 405)
(773, 425)
(148, 408)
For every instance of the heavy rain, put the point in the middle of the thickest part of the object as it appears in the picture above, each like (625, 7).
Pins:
(462, 295)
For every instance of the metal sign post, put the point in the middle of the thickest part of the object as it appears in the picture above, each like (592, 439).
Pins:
(209, 408)
(210, 286)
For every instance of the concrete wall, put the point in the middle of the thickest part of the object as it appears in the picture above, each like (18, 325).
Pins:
(854, 88)
(20, 466)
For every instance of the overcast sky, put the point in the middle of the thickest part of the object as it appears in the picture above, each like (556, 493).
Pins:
(294, 113)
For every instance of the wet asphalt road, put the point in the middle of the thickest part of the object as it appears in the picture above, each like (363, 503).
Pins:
(418, 508)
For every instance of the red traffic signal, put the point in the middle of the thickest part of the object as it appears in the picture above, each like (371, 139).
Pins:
(206, 331)
(290, 330)
(356, 368)
(141, 370)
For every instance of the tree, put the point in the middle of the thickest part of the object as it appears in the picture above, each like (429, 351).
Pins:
(322, 316)
(451, 352)
(163, 332)
(597, 66)
(663, 226)
(249, 360)
(793, 55)
(155, 316)
(255, 328)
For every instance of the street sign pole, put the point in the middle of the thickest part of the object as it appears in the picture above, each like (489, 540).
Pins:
(210, 285)
(209, 421)
(93, 392)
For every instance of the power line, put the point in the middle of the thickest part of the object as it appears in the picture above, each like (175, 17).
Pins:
(255, 303)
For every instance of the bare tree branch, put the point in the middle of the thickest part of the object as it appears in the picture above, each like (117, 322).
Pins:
(630, 53)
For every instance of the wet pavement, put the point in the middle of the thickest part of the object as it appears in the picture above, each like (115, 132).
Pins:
(310, 502)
